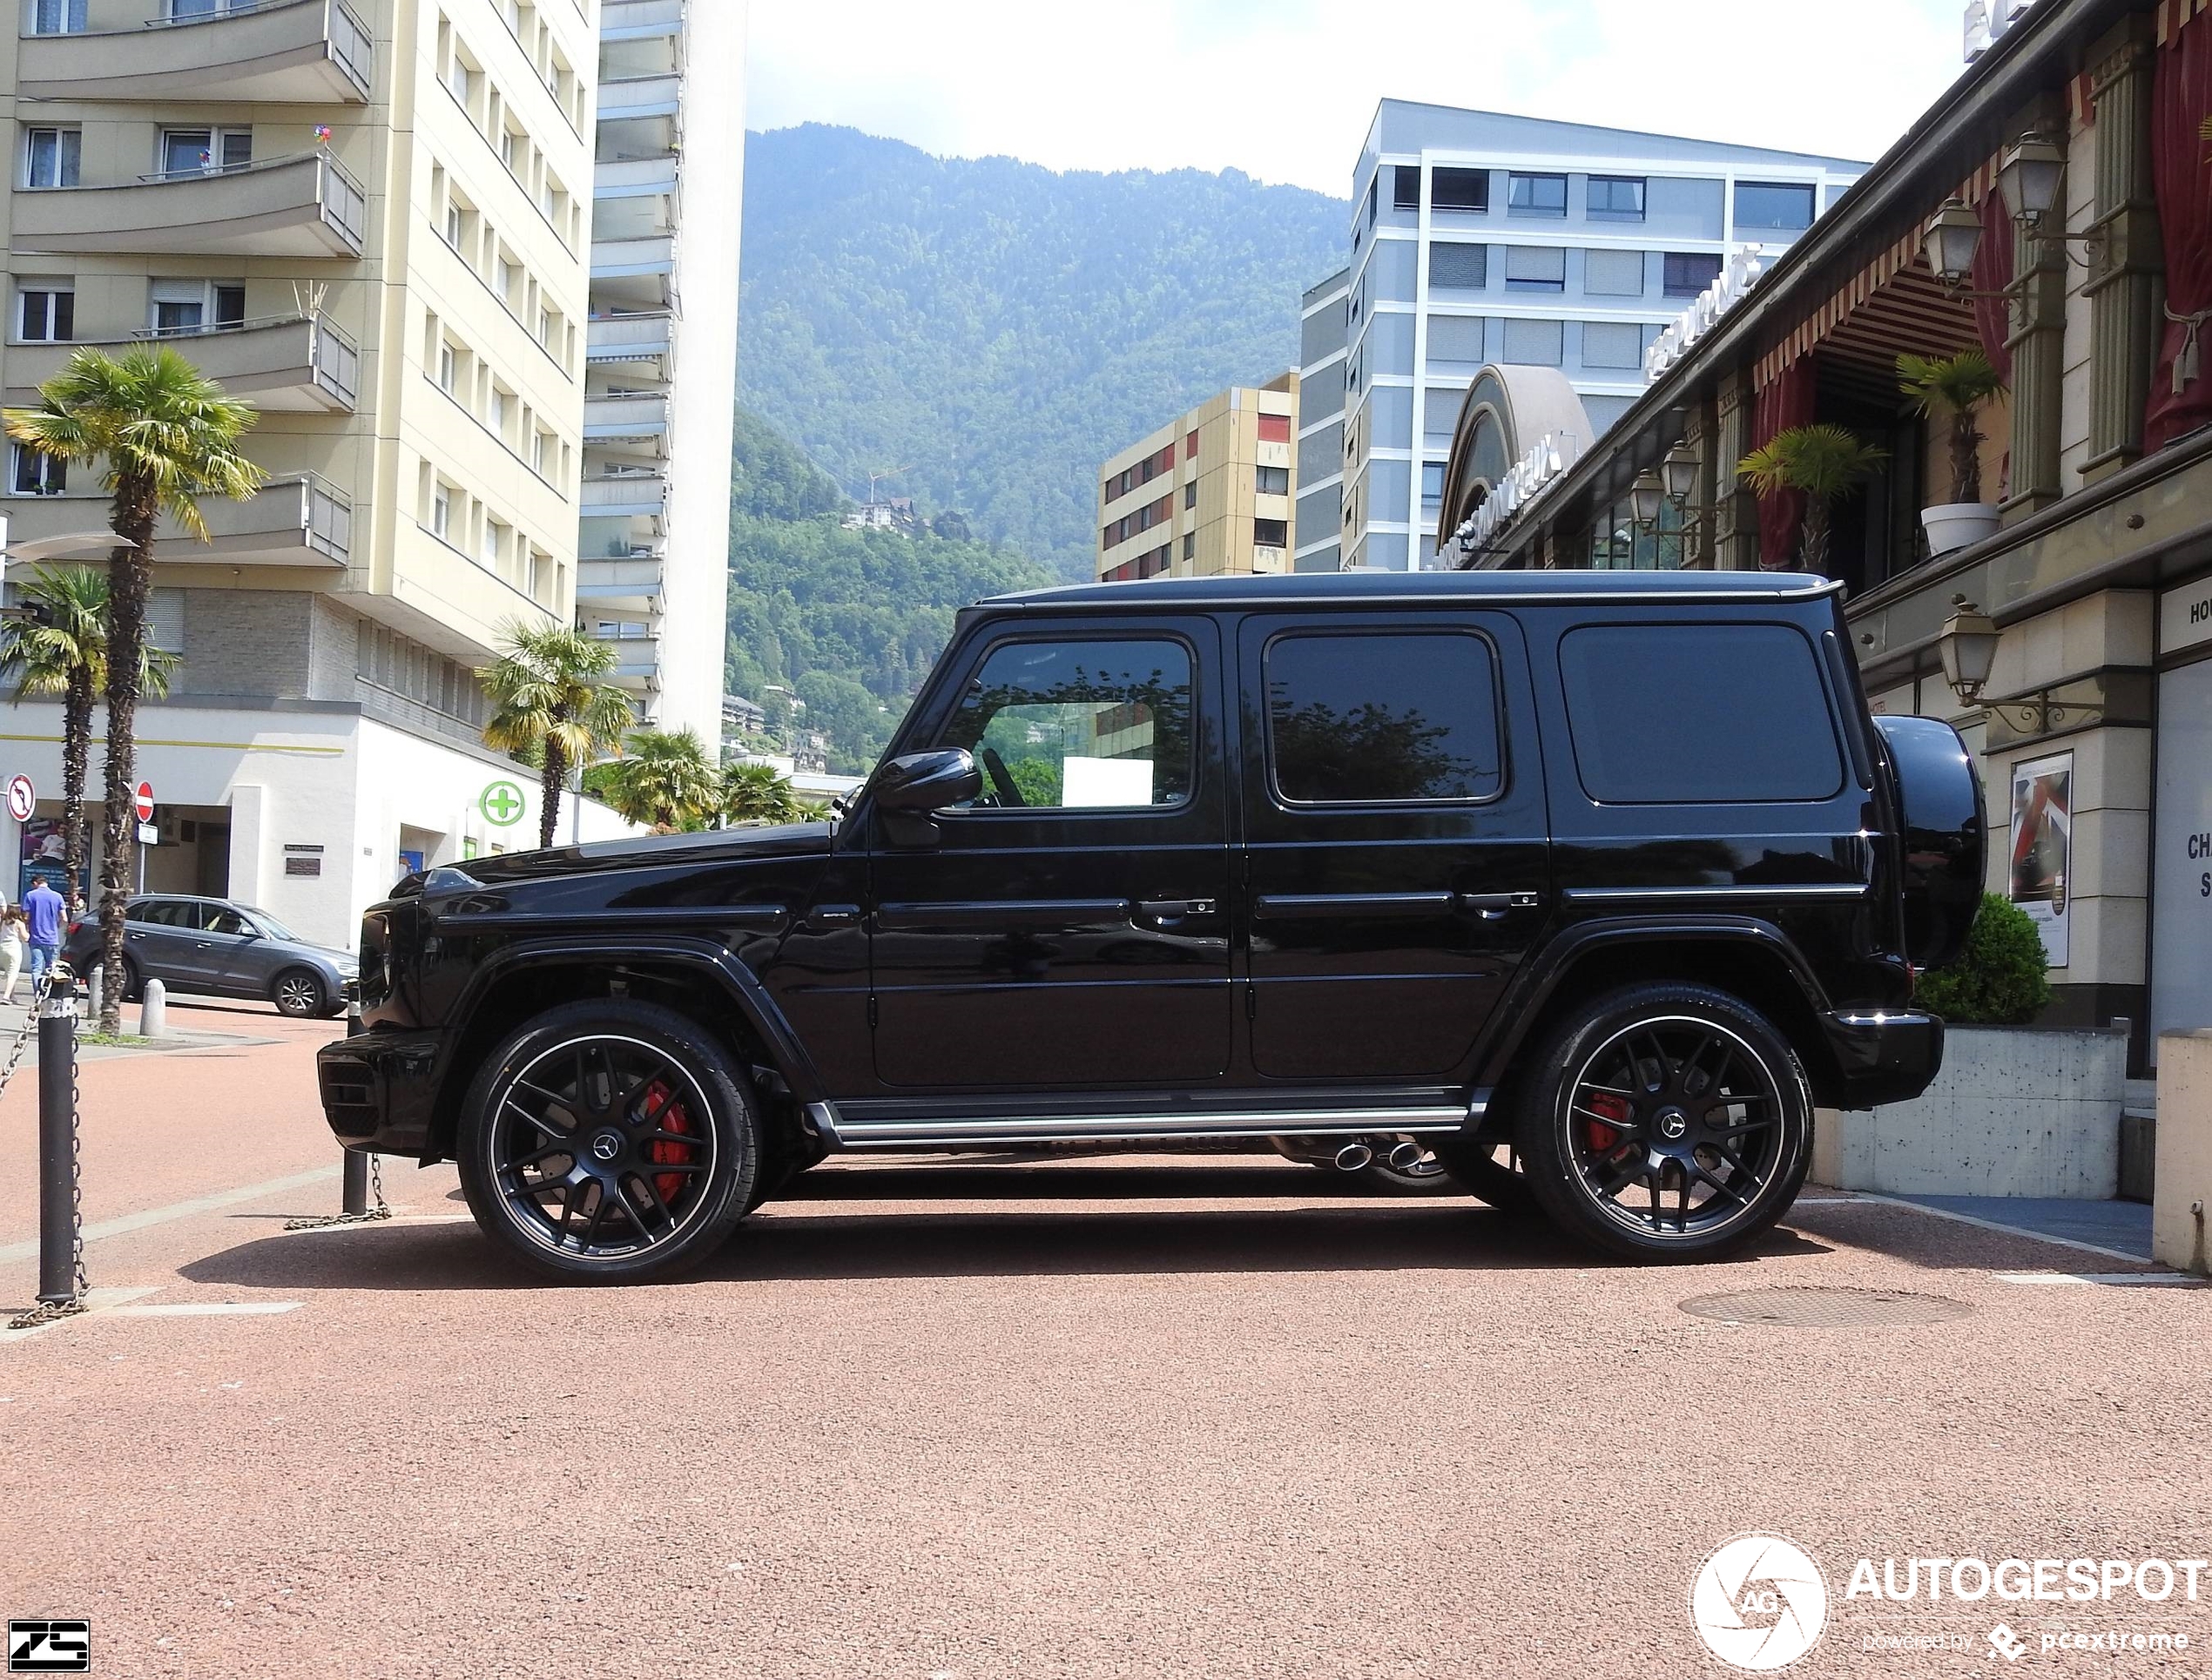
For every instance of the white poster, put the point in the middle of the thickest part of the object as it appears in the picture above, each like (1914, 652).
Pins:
(2043, 845)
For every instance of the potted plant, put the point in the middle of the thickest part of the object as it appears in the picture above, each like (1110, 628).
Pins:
(1957, 386)
(1826, 462)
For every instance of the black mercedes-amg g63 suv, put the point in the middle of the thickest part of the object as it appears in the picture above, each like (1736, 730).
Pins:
(1593, 884)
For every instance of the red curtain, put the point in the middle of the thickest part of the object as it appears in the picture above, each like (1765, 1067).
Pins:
(1785, 402)
(2180, 386)
(1993, 271)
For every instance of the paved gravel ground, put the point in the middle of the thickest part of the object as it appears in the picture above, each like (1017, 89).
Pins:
(1140, 1416)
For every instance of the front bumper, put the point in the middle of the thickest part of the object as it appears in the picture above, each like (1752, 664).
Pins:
(379, 1092)
(1883, 1056)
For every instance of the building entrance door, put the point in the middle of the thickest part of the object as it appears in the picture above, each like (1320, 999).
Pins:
(2180, 987)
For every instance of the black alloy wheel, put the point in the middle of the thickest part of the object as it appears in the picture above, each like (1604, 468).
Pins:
(1669, 1121)
(609, 1141)
(298, 993)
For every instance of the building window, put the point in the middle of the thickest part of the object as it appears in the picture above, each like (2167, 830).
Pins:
(1535, 268)
(1373, 187)
(1689, 272)
(1617, 199)
(45, 316)
(1405, 187)
(1612, 344)
(1459, 267)
(1610, 274)
(1190, 545)
(449, 369)
(1536, 195)
(1432, 483)
(1533, 343)
(56, 17)
(441, 513)
(1460, 189)
(1190, 446)
(1455, 338)
(184, 307)
(1190, 493)
(51, 157)
(1768, 204)
(1270, 533)
(204, 150)
(495, 543)
(1274, 428)
(32, 473)
(1272, 481)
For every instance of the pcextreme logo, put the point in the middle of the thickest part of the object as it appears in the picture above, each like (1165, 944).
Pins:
(1759, 1602)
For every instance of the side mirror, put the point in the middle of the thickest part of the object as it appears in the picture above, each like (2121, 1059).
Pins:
(927, 781)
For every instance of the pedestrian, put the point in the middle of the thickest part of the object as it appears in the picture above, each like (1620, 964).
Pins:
(13, 928)
(44, 910)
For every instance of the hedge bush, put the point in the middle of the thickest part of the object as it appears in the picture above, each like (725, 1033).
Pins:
(2000, 980)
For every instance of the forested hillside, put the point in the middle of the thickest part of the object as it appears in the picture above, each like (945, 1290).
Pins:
(997, 330)
(850, 620)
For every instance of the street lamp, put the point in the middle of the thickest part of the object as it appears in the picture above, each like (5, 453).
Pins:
(1968, 646)
(1644, 497)
(1951, 241)
(2029, 179)
(1678, 471)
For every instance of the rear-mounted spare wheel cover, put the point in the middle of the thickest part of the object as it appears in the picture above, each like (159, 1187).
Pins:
(1946, 835)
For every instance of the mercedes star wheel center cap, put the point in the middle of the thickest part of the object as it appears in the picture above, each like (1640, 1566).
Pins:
(1673, 1123)
(606, 1146)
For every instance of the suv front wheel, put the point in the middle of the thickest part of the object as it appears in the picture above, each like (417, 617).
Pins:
(1666, 1122)
(608, 1141)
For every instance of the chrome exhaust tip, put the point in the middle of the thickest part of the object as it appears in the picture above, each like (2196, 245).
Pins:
(1353, 1156)
(1406, 1156)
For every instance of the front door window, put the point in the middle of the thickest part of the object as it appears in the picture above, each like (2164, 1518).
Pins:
(1079, 725)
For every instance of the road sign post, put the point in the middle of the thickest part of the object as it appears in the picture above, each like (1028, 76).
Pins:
(142, 806)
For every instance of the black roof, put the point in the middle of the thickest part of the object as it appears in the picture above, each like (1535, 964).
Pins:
(1385, 587)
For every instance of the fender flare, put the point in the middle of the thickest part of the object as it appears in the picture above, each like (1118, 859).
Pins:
(710, 958)
(1540, 975)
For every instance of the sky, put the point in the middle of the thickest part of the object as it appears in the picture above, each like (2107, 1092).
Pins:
(1284, 90)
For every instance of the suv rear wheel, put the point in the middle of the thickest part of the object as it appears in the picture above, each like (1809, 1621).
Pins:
(1666, 1122)
(609, 1141)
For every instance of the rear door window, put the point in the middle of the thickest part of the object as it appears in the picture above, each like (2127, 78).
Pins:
(1383, 719)
(1695, 714)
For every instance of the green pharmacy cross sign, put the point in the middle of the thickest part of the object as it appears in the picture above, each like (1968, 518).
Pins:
(502, 803)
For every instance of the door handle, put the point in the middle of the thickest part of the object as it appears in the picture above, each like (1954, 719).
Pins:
(1173, 909)
(1492, 906)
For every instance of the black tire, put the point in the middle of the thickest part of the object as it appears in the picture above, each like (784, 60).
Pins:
(1490, 1172)
(132, 985)
(1699, 1101)
(634, 1200)
(300, 994)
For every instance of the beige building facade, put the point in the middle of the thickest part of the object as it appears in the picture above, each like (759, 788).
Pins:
(373, 219)
(1209, 492)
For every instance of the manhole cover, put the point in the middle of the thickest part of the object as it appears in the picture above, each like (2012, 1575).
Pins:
(1826, 1309)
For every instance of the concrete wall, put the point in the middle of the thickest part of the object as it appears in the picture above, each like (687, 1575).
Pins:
(2183, 1197)
(2016, 1112)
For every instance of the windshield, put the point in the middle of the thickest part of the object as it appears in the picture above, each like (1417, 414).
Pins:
(270, 926)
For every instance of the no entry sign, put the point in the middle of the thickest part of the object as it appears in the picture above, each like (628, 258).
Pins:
(143, 804)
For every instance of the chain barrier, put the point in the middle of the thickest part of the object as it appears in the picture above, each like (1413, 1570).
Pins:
(380, 1211)
(41, 992)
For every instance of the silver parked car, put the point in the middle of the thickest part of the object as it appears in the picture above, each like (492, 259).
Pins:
(218, 945)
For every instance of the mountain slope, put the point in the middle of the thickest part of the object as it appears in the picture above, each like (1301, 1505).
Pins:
(998, 329)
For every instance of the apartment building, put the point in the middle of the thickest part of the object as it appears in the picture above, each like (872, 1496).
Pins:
(1481, 237)
(370, 217)
(1211, 491)
(1317, 532)
(661, 352)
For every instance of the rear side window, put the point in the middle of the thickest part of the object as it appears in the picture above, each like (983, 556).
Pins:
(1691, 714)
(1377, 719)
(164, 913)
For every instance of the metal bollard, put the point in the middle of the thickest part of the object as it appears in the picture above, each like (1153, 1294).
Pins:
(92, 983)
(58, 1214)
(154, 1010)
(353, 1192)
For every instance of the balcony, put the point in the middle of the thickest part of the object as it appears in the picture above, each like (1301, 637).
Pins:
(607, 418)
(632, 98)
(635, 178)
(644, 337)
(298, 207)
(281, 51)
(612, 583)
(637, 649)
(288, 364)
(294, 522)
(635, 495)
(622, 259)
(640, 20)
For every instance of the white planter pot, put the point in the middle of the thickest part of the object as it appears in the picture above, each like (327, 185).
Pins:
(1958, 524)
(2015, 1112)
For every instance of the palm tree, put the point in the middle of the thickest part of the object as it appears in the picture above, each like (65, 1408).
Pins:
(757, 792)
(1825, 461)
(551, 703)
(164, 435)
(666, 781)
(64, 651)
(1958, 385)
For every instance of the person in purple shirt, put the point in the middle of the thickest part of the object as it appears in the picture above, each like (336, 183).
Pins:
(43, 906)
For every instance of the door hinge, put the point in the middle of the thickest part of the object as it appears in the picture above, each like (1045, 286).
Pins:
(1251, 1001)
(871, 1009)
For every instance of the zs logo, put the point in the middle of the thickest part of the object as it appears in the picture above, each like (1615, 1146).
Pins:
(49, 1647)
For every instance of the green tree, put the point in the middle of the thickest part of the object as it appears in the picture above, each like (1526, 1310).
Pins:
(1957, 386)
(1824, 461)
(551, 703)
(163, 434)
(2001, 979)
(665, 780)
(758, 793)
(64, 651)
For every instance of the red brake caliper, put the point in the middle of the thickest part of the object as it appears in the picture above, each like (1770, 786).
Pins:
(1603, 1138)
(665, 1114)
